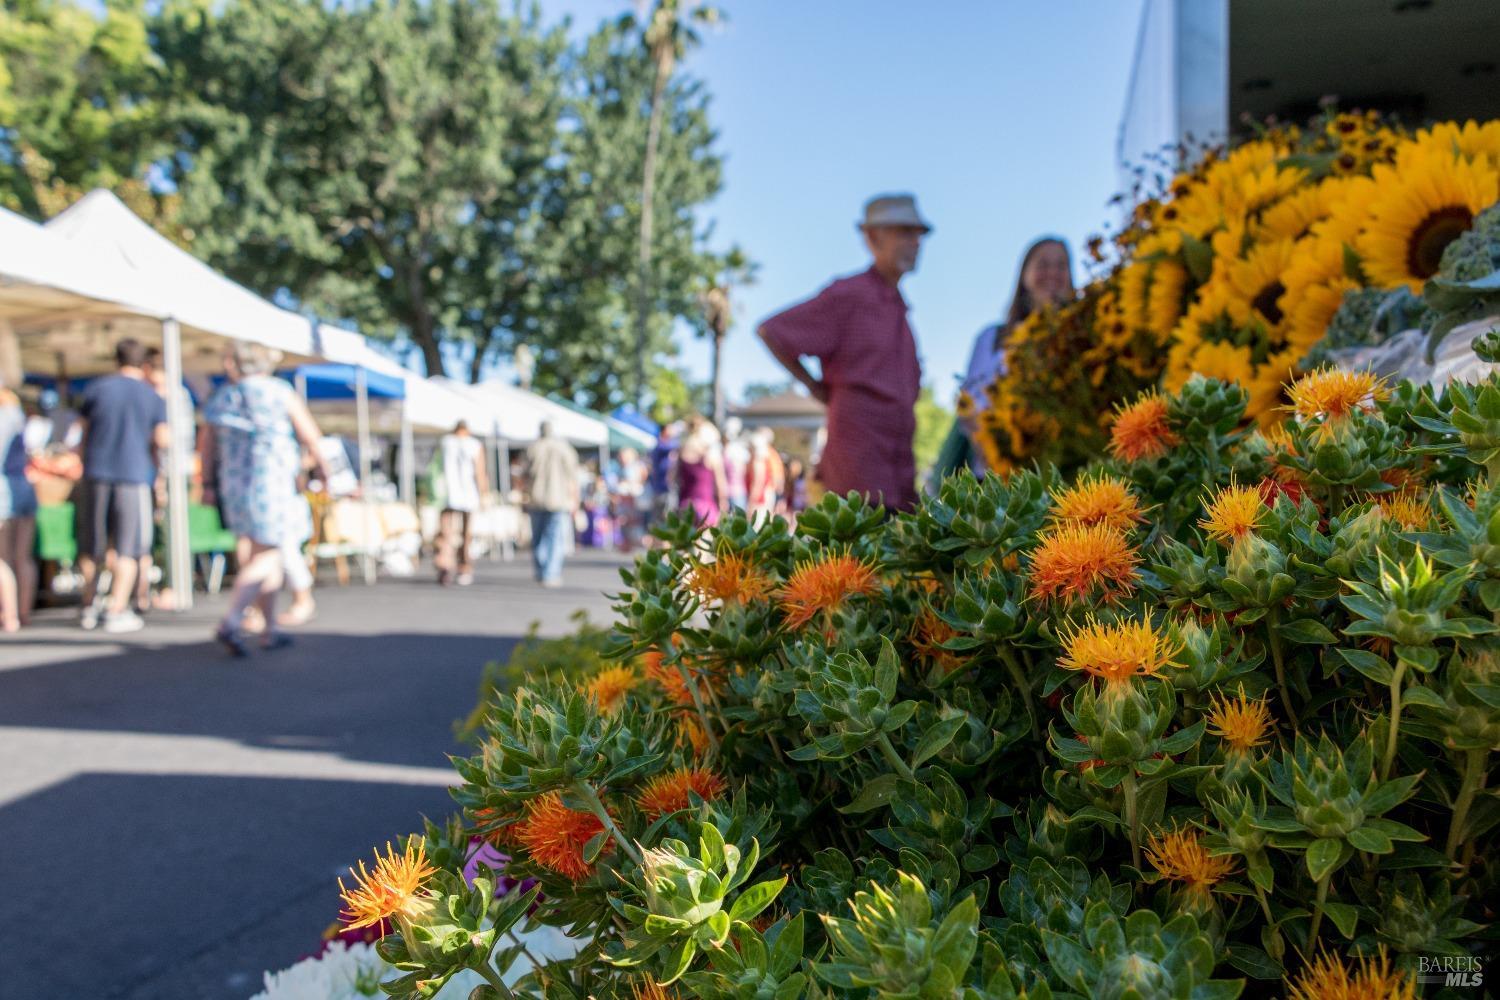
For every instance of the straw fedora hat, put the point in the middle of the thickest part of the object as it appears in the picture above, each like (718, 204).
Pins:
(893, 210)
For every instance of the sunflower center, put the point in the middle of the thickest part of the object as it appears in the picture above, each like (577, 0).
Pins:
(1424, 251)
(1265, 302)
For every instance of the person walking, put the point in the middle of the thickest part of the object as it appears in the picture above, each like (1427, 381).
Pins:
(17, 517)
(765, 479)
(124, 429)
(1045, 279)
(252, 428)
(465, 483)
(552, 473)
(857, 329)
(702, 486)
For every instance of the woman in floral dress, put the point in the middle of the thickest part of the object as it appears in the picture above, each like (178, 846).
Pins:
(252, 428)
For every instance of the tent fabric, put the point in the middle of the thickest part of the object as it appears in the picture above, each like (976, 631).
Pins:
(632, 417)
(336, 381)
(100, 233)
(621, 434)
(516, 414)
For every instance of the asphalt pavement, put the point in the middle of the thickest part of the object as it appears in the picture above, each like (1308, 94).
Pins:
(173, 820)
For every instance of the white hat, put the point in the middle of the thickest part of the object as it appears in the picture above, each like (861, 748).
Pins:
(893, 210)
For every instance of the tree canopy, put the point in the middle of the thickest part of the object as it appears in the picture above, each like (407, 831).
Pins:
(450, 172)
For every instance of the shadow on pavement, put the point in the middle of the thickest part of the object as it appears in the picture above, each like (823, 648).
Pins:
(354, 695)
(183, 888)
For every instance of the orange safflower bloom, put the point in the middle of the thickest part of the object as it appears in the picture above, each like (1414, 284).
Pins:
(824, 586)
(1233, 513)
(392, 888)
(609, 686)
(554, 835)
(650, 989)
(1372, 977)
(1117, 651)
(1072, 562)
(1241, 722)
(729, 579)
(1180, 856)
(929, 632)
(690, 733)
(1097, 500)
(670, 678)
(1332, 393)
(1140, 430)
(668, 792)
(1407, 507)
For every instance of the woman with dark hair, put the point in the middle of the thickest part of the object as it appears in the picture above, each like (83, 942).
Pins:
(1045, 279)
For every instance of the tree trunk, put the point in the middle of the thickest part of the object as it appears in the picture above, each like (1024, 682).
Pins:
(718, 383)
(476, 364)
(643, 263)
(423, 332)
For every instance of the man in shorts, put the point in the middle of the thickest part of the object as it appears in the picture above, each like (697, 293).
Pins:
(124, 428)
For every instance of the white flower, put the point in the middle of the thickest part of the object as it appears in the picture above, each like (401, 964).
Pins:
(341, 973)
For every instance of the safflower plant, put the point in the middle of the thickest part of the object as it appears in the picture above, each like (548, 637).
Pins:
(1214, 717)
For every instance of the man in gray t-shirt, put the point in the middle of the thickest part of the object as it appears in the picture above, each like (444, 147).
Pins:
(124, 428)
(552, 476)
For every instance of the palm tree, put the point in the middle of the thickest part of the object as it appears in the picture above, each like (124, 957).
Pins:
(735, 271)
(668, 34)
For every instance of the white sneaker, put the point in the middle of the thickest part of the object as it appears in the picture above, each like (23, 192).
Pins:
(88, 618)
(125, 621)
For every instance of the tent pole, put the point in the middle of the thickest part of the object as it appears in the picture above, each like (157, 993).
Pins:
(179, 559)
(508, 546)
(496, 551)
(407, 458)
(362, 415)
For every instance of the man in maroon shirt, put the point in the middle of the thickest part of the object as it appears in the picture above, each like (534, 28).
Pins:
(857, 329)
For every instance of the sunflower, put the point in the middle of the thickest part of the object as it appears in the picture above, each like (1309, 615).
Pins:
(1471, 140)
(1418, 210)
(1242, 723)
(1256, 278)
(668, 792)
(1099, 499)
(823, 586)
(1164, 298)
(1223, 361)
(1132, 282)
(1316, 305)
(609, 686)
(1372, 977)
(1179, 855)
(1233, 513)
(1117, 651)
(1333, 394)
(554, 836)
(391, 890)
(1141, 431)
(729, 579)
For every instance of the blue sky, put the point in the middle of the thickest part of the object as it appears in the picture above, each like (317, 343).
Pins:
(1000, 115)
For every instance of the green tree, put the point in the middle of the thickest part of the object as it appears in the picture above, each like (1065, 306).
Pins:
(718, 317)
(587, 345)
(379, 160)
(668, 33)
(933, 423)
(77, 109)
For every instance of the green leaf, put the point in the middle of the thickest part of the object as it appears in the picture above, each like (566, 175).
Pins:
(876, 793)
(1390, 794)
(1307, 631)
(1370, 840)
(786, 950)
(676, 960)
(887, 668)
(748, 905)
(937, 737)
(1198, 256)
(1344, 916)
(1323, 857)
(1254, 962)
